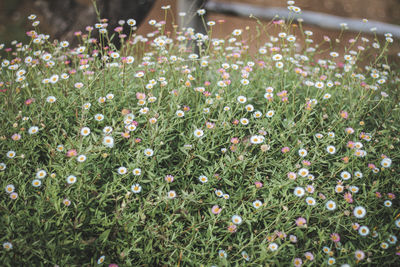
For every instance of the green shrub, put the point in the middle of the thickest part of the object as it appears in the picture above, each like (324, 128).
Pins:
(208, 158)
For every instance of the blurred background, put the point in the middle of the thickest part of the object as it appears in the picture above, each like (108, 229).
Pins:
(61, 18)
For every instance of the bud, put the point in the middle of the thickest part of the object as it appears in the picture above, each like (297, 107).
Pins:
(265, 148)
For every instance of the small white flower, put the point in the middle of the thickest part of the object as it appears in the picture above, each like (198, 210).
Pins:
(198, 133)
(85, 131)
(242, 99)
(236, 219)
(51, 99)
(86, 106)
(387, 203)
(386, 162)
(41, 174)
(219, 193)
(7, 246)
(137, 172)
(33, 130)
(108, 141)
(257, 204)
(11, 154)
(115, 55)
(36, 183)
(359, 212)
(270, 113)
(10, 188)
(331, 149)
(203, 179)
(101, 259)
(244, 121)
(331, 134)
(99, 117)
(122, 170)
(327, 96)
(345, 175)
(397, 223)
(257, 139)
(148, 152)
(107, 130)
(222, 253)
(299, 191)
(71, 179)
(363, 230)
(392, 239)
(303, 152)
(130, 60)
(201, 12)
(358, 174)
(81, 158)
(171, 194)
(303, 172)
(330, 205)
(131, 22)
(249, 108)
(273, 246)
(277, 57)
(136, 188)
(3, 166)
(310, 201)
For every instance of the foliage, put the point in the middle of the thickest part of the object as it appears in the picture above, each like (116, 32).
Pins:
(183, 158)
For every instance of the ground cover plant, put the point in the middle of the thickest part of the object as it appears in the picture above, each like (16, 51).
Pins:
(183, 149)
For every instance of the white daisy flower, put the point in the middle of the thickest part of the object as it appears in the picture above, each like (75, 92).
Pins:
(303, 152)
(345, 175)
(41, 174)
(330, 205)
(203, 179)
(33, 130)
(101, 259)
(331, 149)
(270, 113)
(10, 188)
(81, 158)
(85, 131)
(36, 183)
(11, 154)
(148, 152)
(137, 172)
(359, 212)
(236, 219)
(303, 172)
(299, 191)
(136, 188)
(257, 204)
(122, 170)
(242, 99)
(7, 246)
(71, 179)
(386, 162)
(108, 141)
(273, 246)
(51, 99)
(310, 201)
(198, 133)
(257, 139)
(171, 194)
(363, 230)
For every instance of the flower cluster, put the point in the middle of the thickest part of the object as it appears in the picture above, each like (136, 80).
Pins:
(192, 149)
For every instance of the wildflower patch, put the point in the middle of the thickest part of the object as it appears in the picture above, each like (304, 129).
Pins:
(155, 154)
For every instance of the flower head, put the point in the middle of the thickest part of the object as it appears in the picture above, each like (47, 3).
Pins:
(216, 209)
(236, 219)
